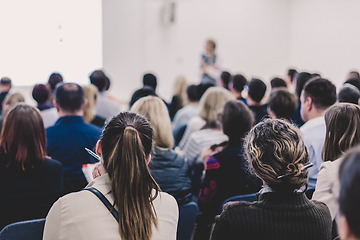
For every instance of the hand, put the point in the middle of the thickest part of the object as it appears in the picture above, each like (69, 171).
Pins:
(98, 170)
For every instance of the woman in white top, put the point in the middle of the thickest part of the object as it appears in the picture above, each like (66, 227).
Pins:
(342, 132)
(124, 179)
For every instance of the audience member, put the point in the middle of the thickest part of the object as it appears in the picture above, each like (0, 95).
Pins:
(226, 171)
(91, 96)
(42, 95)
(349, 197)
(277, 82)
(301, 79)
(354, 81)
(54, 79)
(179, 99)
(349, 94)
(197, 122)
(123, 178)
(183, 116)
(238, 84)
(169, 169)
(148, 89)
(282, 104)
(317, 95)
(208, 64)
(5, 86)
(257, 90)
(70, 135)
(224, 80)
(342, 133)
(275, 148)
(290, 79)
(30, 181)
(9, 103)
(209, 133)
(353, 74)
(105, 107)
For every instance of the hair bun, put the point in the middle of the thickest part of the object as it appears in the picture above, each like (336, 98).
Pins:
(294, 169)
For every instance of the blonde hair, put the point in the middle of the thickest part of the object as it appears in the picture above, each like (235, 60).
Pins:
(179, 88)
(155, 111)
(90, 93)
(212, 103)
(13, 99)
(274, 148)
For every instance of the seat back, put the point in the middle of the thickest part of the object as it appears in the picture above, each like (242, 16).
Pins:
(25, 230)
(246, 197)
(186, 223)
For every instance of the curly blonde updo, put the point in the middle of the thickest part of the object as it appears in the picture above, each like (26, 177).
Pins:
(273, 148)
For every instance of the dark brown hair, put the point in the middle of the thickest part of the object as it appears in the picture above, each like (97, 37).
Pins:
(126, 143)
(273, 148)
(23, 138)
(342, 130)
(237, 119)
(283, 103)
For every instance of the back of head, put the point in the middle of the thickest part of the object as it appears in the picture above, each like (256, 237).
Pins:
(90, 94)
(69, 97)
(149, 79)
(126, 143)
(192, 94)
(277, 82)
(321, 91)
(201, 89)
(54, 79)
(353, 81)
(99, 79)
(274, 148)
(301, 79)
(342, 129)
(257, 89)
(282, 103)
(40, 93)
(211, 43)
(13, 99)
(353, 74)
(212, 103)
(239, 81)
(349, 197)
(23, 139)
(292, 73)
(155, 111)
(237, 119)
(225, 78)
(180, 86)
(349, 94)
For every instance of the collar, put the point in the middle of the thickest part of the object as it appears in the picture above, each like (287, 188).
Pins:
(101, 183)
(70, 119)
(44, 106)
(313, 122)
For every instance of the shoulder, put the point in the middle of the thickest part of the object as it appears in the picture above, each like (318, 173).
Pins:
(166, 204)
(330, 166)
(52, 163)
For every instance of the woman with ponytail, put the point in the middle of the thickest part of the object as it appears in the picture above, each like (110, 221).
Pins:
(124, 179)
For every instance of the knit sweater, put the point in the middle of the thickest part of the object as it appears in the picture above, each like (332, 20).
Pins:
(275, 216)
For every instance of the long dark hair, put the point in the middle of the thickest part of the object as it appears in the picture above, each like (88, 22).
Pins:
(126, 143)
(23, 138)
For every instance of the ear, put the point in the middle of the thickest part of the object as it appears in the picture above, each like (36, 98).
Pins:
(271, 113)
(309, 103)
(148, 159)
(343, 228)
(56, 105)
(98, 148)
(85, 104)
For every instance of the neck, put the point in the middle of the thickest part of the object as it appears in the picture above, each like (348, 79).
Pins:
(251, 102)
(64, 113)
(316, 113)
(236, 93)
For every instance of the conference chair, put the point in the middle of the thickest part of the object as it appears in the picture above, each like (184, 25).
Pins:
(25, 230)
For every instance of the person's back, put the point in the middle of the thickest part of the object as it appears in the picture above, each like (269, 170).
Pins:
(123, 178)
(317, 96)
(70, 135)
(30, 182)
(42, 95)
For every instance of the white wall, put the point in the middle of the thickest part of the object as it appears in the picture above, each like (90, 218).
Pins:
(252, 36)
(325, 37)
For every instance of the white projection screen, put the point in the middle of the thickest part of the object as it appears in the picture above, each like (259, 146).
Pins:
(39, 37)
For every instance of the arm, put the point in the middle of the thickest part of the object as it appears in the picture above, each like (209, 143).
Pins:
(222, 229)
